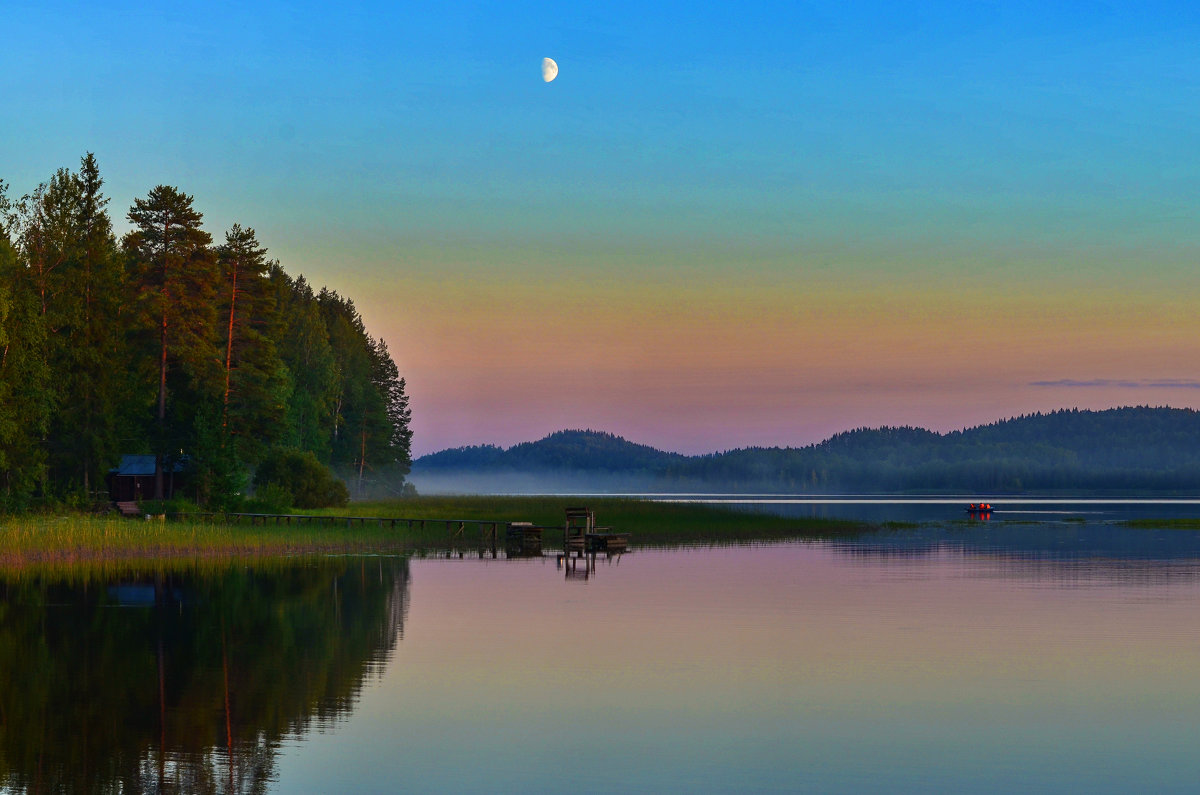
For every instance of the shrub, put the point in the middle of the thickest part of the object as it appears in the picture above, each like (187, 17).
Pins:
(305, 480)
(176, 504)
(271, 498)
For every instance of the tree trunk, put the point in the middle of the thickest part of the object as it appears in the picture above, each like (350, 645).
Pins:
(362, 461)
(229, 355)
(162, 375)
(162, 411)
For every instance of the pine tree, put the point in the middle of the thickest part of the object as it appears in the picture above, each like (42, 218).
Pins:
(173, 271)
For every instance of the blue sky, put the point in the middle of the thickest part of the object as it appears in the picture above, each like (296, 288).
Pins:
(403, 152)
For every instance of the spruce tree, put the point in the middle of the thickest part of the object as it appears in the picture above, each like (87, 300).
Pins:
(303, 343)
(100, 351)
(255, 384)
(26, 399)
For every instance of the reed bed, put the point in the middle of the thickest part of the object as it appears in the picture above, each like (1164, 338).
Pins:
(1189, 523)
(100, 543)
(69, 539)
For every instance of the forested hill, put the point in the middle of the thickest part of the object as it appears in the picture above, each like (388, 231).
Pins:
(583, 451)
(201, 352)
(1121, 450)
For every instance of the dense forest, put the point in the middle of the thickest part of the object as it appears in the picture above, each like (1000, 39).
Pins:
(203, 353)
(1124, 450)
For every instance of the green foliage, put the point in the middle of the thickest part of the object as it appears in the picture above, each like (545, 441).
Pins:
(303, 345)
(26, 397)
(271, 498)
(86, 429)
(170, 345)
(174, 277)
(220, 477)
(306, 480)
(255, 379)
(651, 523)
(175, 505)
(370, 431)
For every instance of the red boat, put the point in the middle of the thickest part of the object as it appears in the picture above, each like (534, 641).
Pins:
(980, 509)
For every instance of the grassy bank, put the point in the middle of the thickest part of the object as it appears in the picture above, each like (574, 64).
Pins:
(69, 539)
(650, 523)
(1164, 524)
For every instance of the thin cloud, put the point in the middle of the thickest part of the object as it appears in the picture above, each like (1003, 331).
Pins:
(1161, 383)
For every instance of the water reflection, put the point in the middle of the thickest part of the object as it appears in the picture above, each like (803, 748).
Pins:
(1062, 553)
(168, 682)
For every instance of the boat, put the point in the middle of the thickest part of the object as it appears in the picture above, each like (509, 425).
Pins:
(980, 509)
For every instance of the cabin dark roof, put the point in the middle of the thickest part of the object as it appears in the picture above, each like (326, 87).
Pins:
(142, 466)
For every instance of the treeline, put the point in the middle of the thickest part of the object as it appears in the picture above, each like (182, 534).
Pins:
(1119, 450)
(205, 354)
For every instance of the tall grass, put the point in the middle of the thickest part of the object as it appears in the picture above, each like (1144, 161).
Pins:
(650, 523)
(66, 540)
(1164, 524)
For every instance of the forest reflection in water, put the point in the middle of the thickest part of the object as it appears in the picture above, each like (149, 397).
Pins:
(160, 681)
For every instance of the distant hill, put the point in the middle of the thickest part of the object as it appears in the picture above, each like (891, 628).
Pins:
(564, 450)
(563, 461)
(1123, 450)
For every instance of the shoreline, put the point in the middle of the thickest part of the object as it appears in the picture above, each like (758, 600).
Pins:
(58, 541)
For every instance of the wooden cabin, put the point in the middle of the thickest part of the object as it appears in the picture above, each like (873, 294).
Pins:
(133, 479)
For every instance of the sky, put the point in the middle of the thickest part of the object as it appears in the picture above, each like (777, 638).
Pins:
(718, 227)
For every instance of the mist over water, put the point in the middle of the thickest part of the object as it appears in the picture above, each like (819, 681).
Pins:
(546, 482)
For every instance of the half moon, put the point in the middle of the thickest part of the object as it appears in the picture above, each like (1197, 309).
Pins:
(549, 69)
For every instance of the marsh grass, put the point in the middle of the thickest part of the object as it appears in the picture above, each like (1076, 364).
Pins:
(108, 541)
(650, 523)
(62, 542)
(1190, 523)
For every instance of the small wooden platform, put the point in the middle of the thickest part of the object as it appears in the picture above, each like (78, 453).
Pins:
(522, 539)
(610, 543)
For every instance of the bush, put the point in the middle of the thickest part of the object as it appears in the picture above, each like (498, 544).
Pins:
(304, 479)
(176, 504)
(271, 498)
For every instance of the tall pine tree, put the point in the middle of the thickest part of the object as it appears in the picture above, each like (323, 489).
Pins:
(173, 270)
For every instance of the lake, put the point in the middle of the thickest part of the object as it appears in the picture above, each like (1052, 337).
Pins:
(892, 508)
(960, 658)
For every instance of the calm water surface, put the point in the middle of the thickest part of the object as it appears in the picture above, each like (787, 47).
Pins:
(977, 659)
(890, 508)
